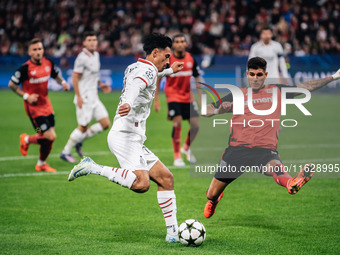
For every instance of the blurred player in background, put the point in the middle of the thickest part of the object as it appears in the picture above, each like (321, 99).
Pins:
(127, 135)
(272, 52)
(34, 76)
(88, 105)
(181, 102)
(251, 146)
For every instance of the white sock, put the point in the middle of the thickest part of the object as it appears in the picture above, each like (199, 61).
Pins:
(26, 139)
(41, 163)
(167, 202)
(121, 176)
(93, 130)
(76, 137)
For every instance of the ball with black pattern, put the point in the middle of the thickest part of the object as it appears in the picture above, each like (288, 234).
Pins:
(191, 233)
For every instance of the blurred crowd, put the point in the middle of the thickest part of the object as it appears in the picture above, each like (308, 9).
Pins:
(218, 27)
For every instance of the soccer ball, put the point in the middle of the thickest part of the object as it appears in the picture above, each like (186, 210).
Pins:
(191, 233)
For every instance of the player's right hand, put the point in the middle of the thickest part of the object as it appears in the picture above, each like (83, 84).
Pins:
(33, 98)
(157, 105)
(80, 102)
(225, 107)
(124, 109)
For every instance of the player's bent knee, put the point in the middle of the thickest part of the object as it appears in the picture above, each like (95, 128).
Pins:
(106, 125)
(50, 136)
(141, 184)
(141, 187)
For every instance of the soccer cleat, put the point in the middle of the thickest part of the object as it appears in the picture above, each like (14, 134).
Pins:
(45, 168)
(210, 207)
(78, 148)
(179, 162)
(82, 168)
(68, 157)
(300, 179)
(23, 145)
(171, 239)
(190, 157)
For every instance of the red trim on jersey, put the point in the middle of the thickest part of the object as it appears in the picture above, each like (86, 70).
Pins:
(142, 80)
(147, 62)
(165, 202)
(87, 52)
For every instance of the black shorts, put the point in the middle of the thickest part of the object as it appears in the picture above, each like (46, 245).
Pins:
(236, 160)
(186, 110)
(43, 123)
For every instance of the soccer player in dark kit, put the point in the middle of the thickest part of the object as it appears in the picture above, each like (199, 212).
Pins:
(251, 146)
(181, 102)
(34, 76)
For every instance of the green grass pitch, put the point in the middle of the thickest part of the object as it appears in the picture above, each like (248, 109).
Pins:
(46, 214)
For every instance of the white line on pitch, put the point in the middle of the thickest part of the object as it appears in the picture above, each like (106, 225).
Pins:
(166, 150)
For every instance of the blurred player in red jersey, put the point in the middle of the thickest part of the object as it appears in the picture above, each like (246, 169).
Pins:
(34, 76)
(181, 103)
(256, 146)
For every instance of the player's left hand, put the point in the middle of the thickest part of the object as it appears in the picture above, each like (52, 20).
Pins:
(177, 66)
(336, 75)
(124, 109)
(105, 88)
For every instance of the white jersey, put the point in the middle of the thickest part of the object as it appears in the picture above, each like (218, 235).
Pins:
(88, 65)
(139, 86)
(273, 54)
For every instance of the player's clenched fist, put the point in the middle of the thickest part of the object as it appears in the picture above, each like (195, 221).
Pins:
(177, 66)
(33, 98)
(124, 109)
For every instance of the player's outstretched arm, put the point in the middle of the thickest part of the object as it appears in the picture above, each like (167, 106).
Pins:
(316, 84)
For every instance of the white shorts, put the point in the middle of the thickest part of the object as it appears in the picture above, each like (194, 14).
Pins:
(91, 111)
(130, 151)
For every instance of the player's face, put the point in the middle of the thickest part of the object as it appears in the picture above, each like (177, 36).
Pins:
(266, 36)
(36, 52)
(179, 44)
(91, 43)
(256, 78)
(161, 58)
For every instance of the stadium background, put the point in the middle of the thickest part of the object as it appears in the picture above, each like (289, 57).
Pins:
(44, 214)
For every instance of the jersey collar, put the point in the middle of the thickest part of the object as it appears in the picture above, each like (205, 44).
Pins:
(87, 52)
(270, 42)
(148, 63)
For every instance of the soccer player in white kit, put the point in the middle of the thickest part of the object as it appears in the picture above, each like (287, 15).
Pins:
(272, 52)
(126, 138)
(88, 105)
